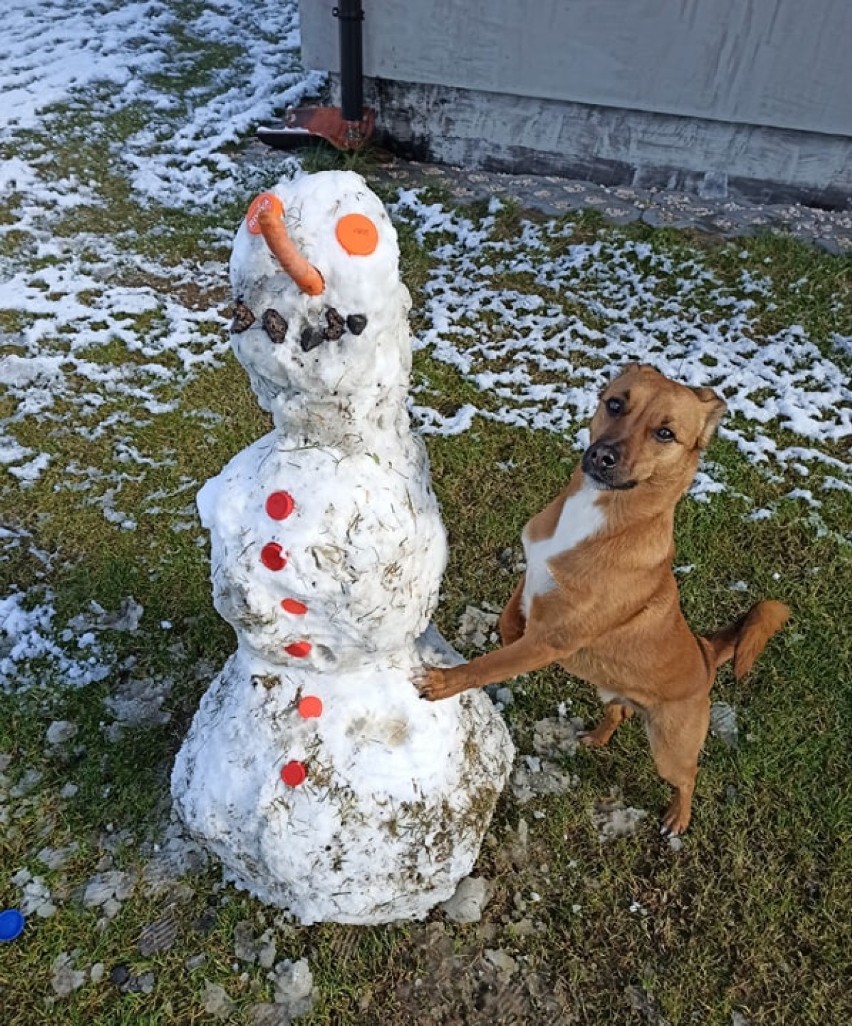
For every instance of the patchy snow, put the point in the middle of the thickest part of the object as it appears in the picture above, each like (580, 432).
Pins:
(544, 356)
(98, 336)
(31, 652)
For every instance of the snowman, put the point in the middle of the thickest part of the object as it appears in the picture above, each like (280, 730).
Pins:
(312, 768)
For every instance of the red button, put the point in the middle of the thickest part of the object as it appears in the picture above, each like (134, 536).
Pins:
(299, 649)
(310, 707)
(272, 556)
(293, 774)
(290, 605)
(280, 505)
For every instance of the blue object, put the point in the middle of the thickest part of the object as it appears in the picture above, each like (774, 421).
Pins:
(11, 924)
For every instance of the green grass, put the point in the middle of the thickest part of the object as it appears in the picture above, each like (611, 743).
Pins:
(750, 916)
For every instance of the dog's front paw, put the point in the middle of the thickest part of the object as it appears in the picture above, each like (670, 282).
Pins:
(431, 683)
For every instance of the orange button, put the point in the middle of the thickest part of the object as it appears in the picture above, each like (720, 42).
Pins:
(293, 773)
(299, 649)
(357, 234)
(265, 201)
(310, 707)
(273, 557)
(279, 505)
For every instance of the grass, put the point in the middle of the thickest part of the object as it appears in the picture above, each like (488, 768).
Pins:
(750, 916)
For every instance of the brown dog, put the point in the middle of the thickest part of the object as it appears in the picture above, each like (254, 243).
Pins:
(599, 596)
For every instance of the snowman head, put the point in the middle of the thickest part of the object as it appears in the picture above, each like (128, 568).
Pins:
(321, 316)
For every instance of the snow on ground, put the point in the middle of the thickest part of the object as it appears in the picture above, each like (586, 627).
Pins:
(544, 355)
(97, 335)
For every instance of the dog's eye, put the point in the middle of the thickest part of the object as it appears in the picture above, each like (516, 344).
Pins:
(664, 434)
(615, 406)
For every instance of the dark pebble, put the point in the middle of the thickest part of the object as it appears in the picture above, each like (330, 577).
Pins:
(311, 338)
(335, 325)
(119, 975)
(274, 325)
(356, 323)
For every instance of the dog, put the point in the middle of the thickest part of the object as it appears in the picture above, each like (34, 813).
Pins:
(599, 596)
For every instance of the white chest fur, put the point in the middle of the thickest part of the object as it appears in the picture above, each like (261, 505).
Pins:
(580, 518)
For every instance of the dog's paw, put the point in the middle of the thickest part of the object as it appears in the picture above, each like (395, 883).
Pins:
(431, 684)
(592, 738)
(676, 819)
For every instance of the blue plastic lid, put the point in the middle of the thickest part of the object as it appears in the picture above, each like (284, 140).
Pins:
(11, 924)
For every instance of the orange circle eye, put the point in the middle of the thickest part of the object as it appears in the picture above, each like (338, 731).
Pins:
(265, 201)
(357, 234)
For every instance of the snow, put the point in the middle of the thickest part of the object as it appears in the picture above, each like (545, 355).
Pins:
(327, 553)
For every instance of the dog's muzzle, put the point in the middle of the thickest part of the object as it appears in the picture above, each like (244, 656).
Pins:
(602, 463)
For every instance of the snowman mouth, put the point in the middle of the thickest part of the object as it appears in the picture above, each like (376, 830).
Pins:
(331, 328)
(336, 325)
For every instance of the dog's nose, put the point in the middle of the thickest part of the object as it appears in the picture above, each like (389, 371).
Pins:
(601, 457)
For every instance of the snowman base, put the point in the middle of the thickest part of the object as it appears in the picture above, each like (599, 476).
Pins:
(354, 817)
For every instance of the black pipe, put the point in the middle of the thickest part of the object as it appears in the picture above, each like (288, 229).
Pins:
(350, 14)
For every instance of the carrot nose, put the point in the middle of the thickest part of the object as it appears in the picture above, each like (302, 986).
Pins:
(266, 217)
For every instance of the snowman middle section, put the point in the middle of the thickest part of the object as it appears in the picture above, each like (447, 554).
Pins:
(323, 556)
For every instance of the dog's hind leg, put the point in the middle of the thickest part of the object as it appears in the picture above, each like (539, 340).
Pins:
(676, 732)
(615, 713)
(512, 623)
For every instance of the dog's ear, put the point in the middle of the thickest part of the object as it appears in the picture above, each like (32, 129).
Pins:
(714, 410)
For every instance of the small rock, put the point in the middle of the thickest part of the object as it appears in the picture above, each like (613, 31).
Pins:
(723, 724)
(268, 1015)
(54, 858)
(524, 928)
(207, 921)
(554, 738)
(195, 961)
(97, 972)
(64, 979)
(119, 975)
(37, 898)
(266, 950)
(504, 697)
(216, 1001)
(274, 325)
(356, 323)
(111, 907)
(516, 844)
(467, 904)
(244, 946)
(613, 819)
(335, 324)
(144, 983)
(26, 784)
(294, 986)
(544, 777)
(112, 885)
(61, 731)
(502, 962)
(476, 627)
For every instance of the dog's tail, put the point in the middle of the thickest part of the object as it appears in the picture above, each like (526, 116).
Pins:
(745, 639)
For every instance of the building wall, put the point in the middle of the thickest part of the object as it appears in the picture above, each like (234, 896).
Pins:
(753, 91)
